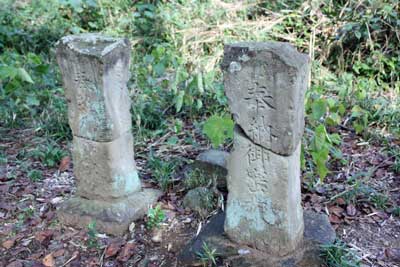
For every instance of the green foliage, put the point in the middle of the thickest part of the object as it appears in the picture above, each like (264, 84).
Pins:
(92, 233)
(195, 178)
(396, 211)
(49, 154)
(3, 158)
(163, 171)
(379, 200)
(175, 70)
(207, 256)
(155, 217)
(35, 175)
(218, 129)
(338, 255)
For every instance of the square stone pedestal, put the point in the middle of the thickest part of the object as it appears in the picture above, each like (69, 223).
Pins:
(112, 216)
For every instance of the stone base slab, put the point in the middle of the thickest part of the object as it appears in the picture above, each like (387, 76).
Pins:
(112, 216)
(318, 231)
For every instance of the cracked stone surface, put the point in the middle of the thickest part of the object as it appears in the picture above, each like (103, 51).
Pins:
(95, 72)
(265, 84)
(264, 201)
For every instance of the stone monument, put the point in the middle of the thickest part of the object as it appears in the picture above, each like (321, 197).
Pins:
(95, 71)
(265, 85)
(263, 224)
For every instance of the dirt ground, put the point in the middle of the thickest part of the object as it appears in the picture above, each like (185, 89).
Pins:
(30, 234)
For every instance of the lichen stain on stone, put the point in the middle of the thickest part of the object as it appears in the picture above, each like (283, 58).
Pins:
(244, 58)
(256, 217)
(126, 184)
(234, 67)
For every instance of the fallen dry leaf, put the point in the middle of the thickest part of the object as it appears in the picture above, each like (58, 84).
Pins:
(113, 249)
(59, 253)
(44, 237)
(127, 252)
(340, 201)
(351, 210)
(334, 219)
(8, 243)
(336, 210)
(49, 261)
(64, 164)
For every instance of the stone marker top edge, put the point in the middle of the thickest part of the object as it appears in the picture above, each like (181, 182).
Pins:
(246, 50)
(92, 44)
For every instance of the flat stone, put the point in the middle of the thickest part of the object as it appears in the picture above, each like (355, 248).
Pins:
(214, 157)
(265, 84)
(111, 216)
(213, 164)
(236, 255)
(105, 170)
(95, 71)
(263, 209)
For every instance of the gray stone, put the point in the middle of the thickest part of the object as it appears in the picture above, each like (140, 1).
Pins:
(318, 228)
(105, 170)
(95, 70)
(200, 200)
(111, 216)
(213, 157)
(212, 163)
(237, 255)
(263, 210)
(265, 84)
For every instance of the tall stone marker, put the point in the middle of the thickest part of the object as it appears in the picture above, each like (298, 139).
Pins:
(265, 84)
(95, 71)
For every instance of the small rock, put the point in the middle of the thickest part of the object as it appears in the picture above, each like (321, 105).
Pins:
(214, 157)
(157, 236)
(132, 227)
(213, 164)
(56, 200)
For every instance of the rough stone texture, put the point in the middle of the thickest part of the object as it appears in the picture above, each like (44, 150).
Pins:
(213, 157)
(95, 71)
(105, 170)
(199, 200)
(264, 202)
(265, 84)
(212, 163)
(317, 231)
(112, 217)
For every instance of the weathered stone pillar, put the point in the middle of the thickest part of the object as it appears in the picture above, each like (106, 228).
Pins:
(265, 84)
(95, 72)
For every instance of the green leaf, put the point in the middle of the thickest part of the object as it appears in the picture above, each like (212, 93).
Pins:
(31, 100)
(24, 76)
(8, 72)
(318, 108)
(199, 104)
(179, 101)
(333, 119)
(218, 129)
(159, 69)
(200, 83)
